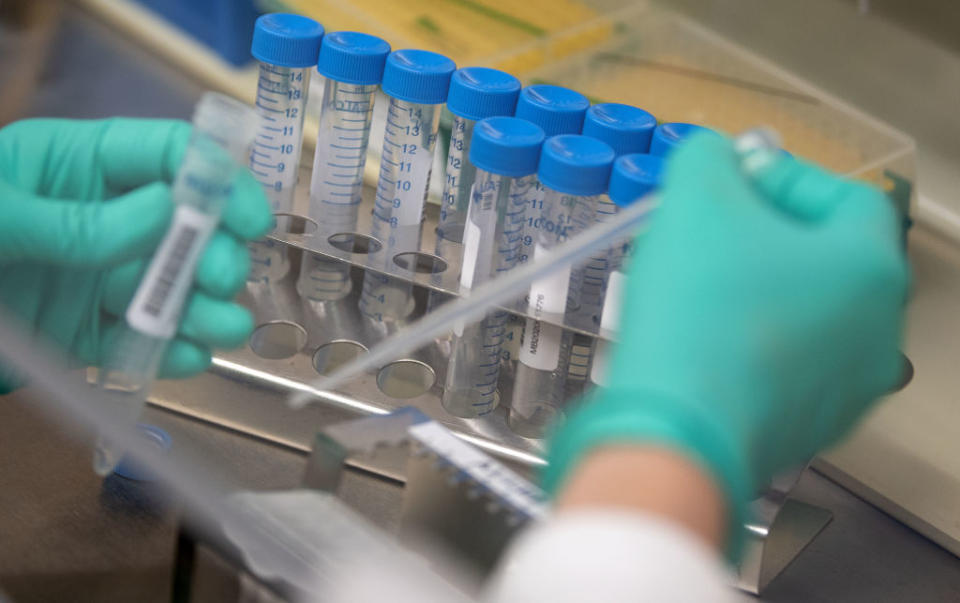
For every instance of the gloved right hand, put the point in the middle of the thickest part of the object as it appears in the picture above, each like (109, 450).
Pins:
(763, 316)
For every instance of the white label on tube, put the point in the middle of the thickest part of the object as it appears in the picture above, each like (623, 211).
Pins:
(155, 309)
(549, 294)
(471, 252)
(541, 345)
(610, 317)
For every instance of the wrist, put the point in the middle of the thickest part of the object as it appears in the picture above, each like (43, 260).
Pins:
(648, 479)
(637, 417)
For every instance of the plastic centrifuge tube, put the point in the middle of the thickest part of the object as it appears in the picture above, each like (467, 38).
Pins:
(627, 130)
(416, 84)
(574, 171)
(503, 150)
(286, 47)
(475, 93)
(223, 131)
(557, 111)
(632, 180)
(667, 136)
(352, 64)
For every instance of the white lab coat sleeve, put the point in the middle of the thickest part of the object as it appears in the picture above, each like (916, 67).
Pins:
(611, 557)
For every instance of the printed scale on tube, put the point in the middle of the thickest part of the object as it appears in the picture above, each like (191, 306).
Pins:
(416, 84)
(475, 93)
(352, 64)
(223, 131)
(633, 178)
(627, 130)
(286, 47)
(756, 148)
(574, 171)
(504, 150)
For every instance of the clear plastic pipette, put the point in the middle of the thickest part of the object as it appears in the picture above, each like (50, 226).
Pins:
(506, 289)
(352, 64)
(574, 171)
(416, 84)
(286, 47)
(503, 150)
(223, 131)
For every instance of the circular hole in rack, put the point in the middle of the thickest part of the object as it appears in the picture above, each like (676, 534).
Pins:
(293, 224)
(403, 379)
(331, 356)
(907, 373)
(278, 340)
(354, 242)
(423, 263)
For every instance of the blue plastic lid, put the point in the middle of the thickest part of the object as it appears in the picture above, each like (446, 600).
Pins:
(508, 146)
(480, 92)
(633, 176)
(352, 57)
(627, 129)
(668, 135)
(417, 76)
(555, 109)
(286, 40)
(157, 438)
(575, 165)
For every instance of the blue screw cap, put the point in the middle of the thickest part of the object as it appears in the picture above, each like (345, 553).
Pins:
(480, 92)
(668, 135)
(508, 146)
(417, 76)
(575, 165)
(627, 129)
(286, 40)
(634, 176)
(353, 57)
(556, 109)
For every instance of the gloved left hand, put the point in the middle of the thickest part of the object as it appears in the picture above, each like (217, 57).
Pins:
(83, 204)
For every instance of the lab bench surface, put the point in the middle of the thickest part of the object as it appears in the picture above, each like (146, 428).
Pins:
(67, 535)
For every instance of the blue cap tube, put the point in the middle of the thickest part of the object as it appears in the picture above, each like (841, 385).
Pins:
(286, 40)
(669, 135)
(475, 93)
(508, 146)
(417, 76)
(625, 128)
(575, 165)
(480, 92)
(353, 58)
(556, 109)
(633, 176)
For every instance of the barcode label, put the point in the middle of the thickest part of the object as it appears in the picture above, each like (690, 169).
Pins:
(172, 266)
(155, 309)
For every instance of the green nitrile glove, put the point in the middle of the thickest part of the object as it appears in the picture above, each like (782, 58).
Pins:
(83, 204)
(762, 318)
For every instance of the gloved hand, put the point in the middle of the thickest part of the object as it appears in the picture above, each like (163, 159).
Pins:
(762, 318)
(83, 204)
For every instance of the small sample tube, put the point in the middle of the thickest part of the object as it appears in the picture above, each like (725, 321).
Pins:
(352, 64)
(475, 93)
(627, 130)
(503, 150)
(286, 47)
(574, 171)
(557, 110)
(668, 135)
(223, 131)
(632, 178)
(416, 84)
